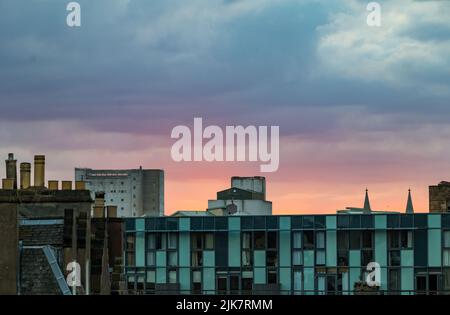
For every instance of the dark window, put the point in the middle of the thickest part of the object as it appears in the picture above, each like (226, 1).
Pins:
(172, 223)
(319, 222)
(221, 252)
(367, 239)
(297, 222)
(260, 240)
(394, 258)
(394, 241)
(272, 277)
(161, 224)
(208, 223)
(406, 221)
(271, 258)
(259, 222)
(393, 221)
(355, 240)
(272, 240)
(367, 221)
(343, 258)
(394, 280)
(221, 223)
(355, 221)
(343, 221)
(196, 224)
(247, 222)
(272, 223)
(366, 257)
(130, 224)
(342, 240)
(420, 220)
(150, 224)
(308, 239)
(308, 222)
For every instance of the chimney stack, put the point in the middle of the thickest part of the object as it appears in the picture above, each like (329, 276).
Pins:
(11, 169)
(25, 175)
(39, 170)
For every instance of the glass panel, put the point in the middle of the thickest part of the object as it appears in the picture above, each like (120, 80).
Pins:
(271, 258)
(172, 258)
(297, 282)
(160, 241)
(446, 239)
(297, 258)
(246, 258)
(394, 258)
(173, 240)
(446, 257)
(151, 276)
(308, 239)
(320, 239)
(355, 240)
(406, 239)
(197, 276)
(367, 239)
(247, 240)
(151, 241)
(297, 239)
(271, 239)
(209, 241)
(172, 276)
(151, 260)
(260, 240)
(320, 257)
(308, 222)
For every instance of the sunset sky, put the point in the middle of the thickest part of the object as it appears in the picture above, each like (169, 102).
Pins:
(357, 106)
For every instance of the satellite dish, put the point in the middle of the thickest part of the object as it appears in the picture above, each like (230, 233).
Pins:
(231, 208)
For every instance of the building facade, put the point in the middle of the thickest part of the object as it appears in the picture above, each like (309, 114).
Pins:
(298, 254)
(136, 192)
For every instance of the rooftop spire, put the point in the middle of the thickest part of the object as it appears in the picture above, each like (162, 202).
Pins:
(367, 202)
(409, 204)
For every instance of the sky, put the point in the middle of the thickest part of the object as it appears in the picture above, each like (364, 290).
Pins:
(357, 106)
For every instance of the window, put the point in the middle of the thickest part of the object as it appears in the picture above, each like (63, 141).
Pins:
(209, 241)
(308, 239)
(297, 258)
(196, 240)
(297, 240)
(260, 240)
(173, 241)
(151, 260)
(394, 280)
(446, 249)
(197, 282)
(131, 241)
(342, 240)
(367, 239)
(271, 239)
(394, 258)
(172, 276)
(320, 257)
(172, 258)
(151, 241)
(197, 259)
(394, 239)
(298, 281)
(271, 258)
(355, 240)
(406, 239)
(247, 240)
(247, 282)
(320, 240)
(272, 277)
(247, 260)
(160, 241)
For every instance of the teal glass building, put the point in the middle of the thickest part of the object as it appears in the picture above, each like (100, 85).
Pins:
(288, 254)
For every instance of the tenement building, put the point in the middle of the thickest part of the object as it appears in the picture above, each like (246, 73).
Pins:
(136, 192)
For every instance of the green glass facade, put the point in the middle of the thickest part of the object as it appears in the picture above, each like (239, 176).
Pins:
(299, 254)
